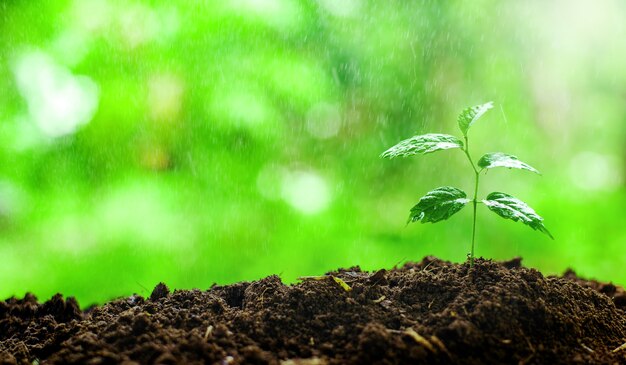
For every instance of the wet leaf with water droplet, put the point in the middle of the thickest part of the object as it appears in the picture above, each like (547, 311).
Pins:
(422, 144)
(470, 115)
(509, 207)
(499, 159)
(439, 204)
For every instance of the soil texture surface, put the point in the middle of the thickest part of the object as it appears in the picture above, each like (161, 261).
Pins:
(431, 312)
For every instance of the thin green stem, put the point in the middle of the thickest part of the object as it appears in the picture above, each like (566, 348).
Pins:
(466, 150)
(474, 200)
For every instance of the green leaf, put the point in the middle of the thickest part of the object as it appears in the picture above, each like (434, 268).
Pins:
(509, 207)
(438, 205)
(499, 159)
(425, 143)
(471, 115)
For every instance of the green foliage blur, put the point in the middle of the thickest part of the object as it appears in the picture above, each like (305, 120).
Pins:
(195, 142)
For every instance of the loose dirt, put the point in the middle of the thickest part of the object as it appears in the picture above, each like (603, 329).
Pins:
(431, 312)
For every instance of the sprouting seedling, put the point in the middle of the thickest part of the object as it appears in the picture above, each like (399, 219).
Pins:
(441, 203)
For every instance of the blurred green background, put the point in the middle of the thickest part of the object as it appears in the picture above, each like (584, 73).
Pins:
(195, 142)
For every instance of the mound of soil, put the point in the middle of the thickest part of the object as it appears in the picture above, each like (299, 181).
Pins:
(431, 312)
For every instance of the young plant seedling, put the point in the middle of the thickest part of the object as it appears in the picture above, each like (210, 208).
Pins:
(441, 203)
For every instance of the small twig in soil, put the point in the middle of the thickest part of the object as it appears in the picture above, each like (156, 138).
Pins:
(337, 280)
(379, 299)
(262, 298)
(434, 339)
(342, 283)
(620, 348)
(465, 311)
(527, 359)
(208, 332)
(427, 265)
(587, 348)
(530, 345)
(420, 339)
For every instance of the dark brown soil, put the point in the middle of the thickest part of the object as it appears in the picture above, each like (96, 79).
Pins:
(431, 312)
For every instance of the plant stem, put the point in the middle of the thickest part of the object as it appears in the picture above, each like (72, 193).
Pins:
(474, 201)
(474, 223)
